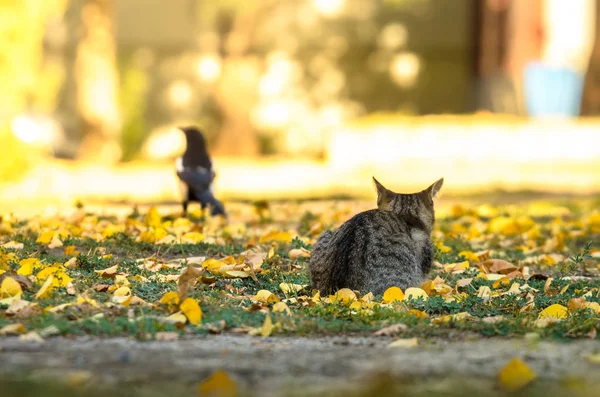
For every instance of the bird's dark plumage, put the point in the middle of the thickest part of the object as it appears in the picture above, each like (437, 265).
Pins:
(195, 170)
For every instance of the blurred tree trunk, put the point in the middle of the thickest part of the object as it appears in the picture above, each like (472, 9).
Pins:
(88, 106)
(236, 90)
(590, 105)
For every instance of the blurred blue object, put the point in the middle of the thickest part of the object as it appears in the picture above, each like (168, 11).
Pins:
(552, 91)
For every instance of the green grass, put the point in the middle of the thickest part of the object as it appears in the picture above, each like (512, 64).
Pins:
(230, 300)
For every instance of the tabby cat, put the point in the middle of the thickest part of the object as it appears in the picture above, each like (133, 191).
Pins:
(379, 248)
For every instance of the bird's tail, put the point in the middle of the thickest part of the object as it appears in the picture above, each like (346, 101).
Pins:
(216, 207)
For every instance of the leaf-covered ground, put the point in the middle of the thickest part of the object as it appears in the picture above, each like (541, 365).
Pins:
(499, 271)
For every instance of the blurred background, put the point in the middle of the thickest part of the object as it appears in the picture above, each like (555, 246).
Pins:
(297, 98)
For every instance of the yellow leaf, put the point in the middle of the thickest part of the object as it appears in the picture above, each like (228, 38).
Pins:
(267, 326)
(12, 329)
(191, 310)
(393, 294)
(237, 273)
(171, 298)
(281, 307)
(153, 218)
(55, 242)
(70, 250)
(122, 296)
(192, 238)
(10, 288)
(45, 289)
(13, 245)
(283, 237)
(45, 237)
(109, 230)
(440, 245)
(154, 235)
(219, 384)
(484, 292)
(456, 267)
(451, 318)
(428, 287)
(213, 265)
(470, 256)
(515, 375)
(168, 239)
(177, 318)
(27, 266)
(122, 291)
(564, 289)
(555, 311)
(415, 293)
(418, 313)
(265, 296)
(405, 343)
(593, 358)
(290, 288)
(345, 295)
(502, 282)
(84, 299)
(109, 272)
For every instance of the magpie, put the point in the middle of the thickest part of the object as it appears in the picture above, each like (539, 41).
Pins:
(195, 171)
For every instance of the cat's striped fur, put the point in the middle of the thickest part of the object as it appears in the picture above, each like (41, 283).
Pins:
(379, 248)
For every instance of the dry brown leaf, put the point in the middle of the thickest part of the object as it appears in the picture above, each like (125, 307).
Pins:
(187, 280)
(391, 330)
(497, 266)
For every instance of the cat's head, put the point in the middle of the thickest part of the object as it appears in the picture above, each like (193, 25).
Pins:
(418, 204)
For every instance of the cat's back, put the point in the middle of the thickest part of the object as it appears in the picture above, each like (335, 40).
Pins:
(374, 245)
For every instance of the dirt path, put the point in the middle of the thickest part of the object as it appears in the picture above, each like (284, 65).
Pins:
(298, 366)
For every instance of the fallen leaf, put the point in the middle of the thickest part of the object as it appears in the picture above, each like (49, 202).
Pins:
(45, 237)
(191, 310)
(177, 318)
(153, 218)
(415, 293)
(108, 272)
(282, 308)
(13, 245)
(515, 375)
(283, 237)
(555, 311)
(344, 296)
(299, 253)
(31, 336)
(267, 327)
(593, 358)
(265, 296)
(187, 280)
(12, 329)
(237, 274)
(497, 266)
(393, 294)
(219, 384)
(290, 288)
(166, 336)
(404, 343)
(191, 238)
(391, 330)
(55, 242)
(10, 288)
(45, 289)
(16, 306)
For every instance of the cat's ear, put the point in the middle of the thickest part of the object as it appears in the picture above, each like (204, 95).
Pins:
(433, 190)
(382, 193)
